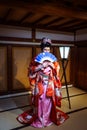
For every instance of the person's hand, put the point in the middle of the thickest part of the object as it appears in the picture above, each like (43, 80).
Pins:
(42, 66)
(51, 64)
(45, 64)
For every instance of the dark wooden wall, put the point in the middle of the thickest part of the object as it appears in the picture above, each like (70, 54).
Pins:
(79, 65)
(82, 67)
(15, 60)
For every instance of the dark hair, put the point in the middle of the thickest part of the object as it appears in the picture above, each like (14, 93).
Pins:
(45, 42)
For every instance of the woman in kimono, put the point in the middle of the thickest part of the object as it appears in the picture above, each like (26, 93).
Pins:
(46, 92)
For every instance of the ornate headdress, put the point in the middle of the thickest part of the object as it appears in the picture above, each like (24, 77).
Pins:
(45, 42)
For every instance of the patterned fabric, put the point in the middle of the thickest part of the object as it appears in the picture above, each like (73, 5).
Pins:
(46, 95)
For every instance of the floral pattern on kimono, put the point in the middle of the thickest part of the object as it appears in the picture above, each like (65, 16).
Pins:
(48, 79)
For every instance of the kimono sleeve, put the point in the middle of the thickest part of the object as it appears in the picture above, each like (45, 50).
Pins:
(57, 76)
(32, 73)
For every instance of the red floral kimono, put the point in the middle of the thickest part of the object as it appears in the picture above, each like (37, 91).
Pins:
(46, 96)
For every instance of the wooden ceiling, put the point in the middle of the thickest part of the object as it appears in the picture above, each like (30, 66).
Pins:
(58, 15)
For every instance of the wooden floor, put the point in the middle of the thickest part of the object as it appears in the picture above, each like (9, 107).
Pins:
(11, 107)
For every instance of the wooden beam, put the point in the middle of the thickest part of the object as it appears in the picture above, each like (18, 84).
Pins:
(47, 9)
(28, 15)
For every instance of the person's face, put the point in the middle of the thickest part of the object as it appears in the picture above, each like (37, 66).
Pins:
(46, 49)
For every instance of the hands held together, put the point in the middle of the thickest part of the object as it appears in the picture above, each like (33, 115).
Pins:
(46, 64)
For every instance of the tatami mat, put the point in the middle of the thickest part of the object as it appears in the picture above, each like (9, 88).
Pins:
(76, 121)
(10, 108)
